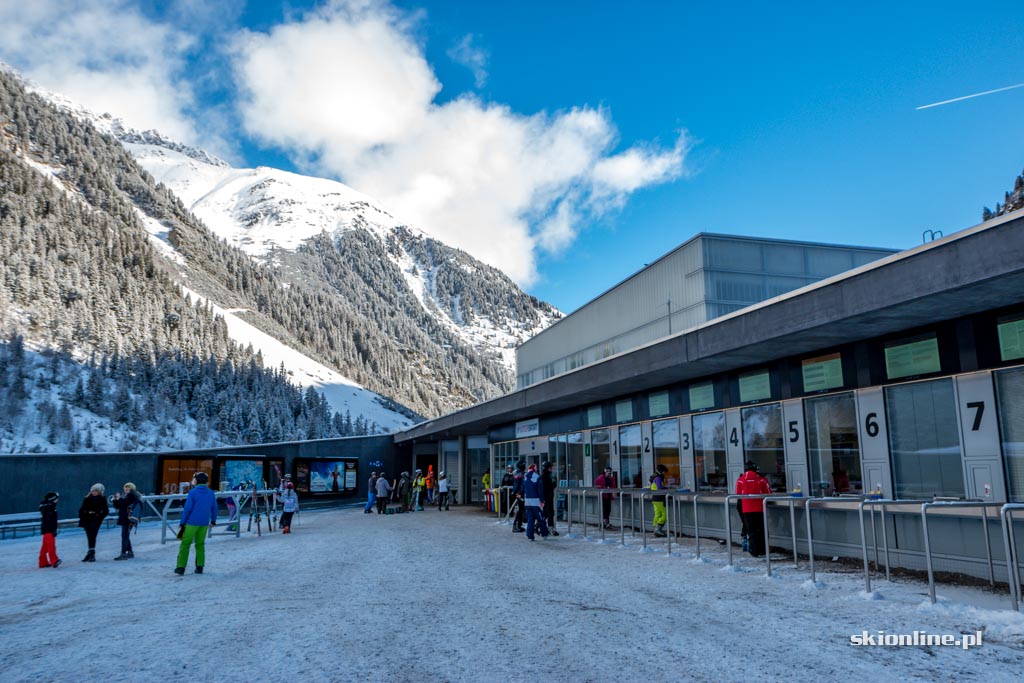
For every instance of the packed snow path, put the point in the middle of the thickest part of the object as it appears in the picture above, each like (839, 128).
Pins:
(454, 596)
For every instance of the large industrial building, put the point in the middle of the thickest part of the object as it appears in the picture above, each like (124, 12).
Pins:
(704, 278)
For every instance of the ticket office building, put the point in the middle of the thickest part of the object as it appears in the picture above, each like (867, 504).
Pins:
(896, 415)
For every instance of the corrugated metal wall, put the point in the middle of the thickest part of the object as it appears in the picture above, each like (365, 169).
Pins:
(707, 277)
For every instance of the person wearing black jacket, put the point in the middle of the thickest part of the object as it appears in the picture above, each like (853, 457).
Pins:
(517, 495)
(549, 495)
(126, 518)
(90, 517)
(48, 528)
(505, 493)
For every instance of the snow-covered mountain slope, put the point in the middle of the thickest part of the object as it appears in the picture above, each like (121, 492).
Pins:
(331, 273)
(265, 210)
(344, 395)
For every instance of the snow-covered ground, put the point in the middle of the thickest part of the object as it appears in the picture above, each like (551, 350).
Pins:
(454, 596)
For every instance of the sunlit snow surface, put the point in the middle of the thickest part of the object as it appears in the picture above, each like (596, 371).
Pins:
(453, 596)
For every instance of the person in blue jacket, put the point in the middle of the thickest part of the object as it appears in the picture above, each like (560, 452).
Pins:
(199, 515)
(533, 498)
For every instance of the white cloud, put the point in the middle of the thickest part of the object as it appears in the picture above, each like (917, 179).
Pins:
(104, 55)
(347, 88)
(471, 57)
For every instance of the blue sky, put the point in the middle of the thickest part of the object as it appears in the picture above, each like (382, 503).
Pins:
(799, 118)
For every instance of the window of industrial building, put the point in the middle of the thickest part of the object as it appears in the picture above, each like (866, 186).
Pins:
(623, 411)
(556, 455)
(600, 452)
(657, 404)
(762, 442)
(755, 386)
(1010, 388)
(709, 451)
(574, 459)
(924, 440)
(630, 475)
(594, 416)
(832, 445)
(702, 396)
(1011, 339)
(822, 373)
(666, 449)
(912, 358)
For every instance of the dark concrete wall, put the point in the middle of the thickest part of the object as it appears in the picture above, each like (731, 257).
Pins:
(25, 479)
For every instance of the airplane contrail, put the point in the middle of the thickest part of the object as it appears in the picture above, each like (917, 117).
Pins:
(967, 97)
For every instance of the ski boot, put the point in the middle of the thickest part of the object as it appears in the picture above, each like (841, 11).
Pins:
(199, 569)
(180, 571)
(122, 556)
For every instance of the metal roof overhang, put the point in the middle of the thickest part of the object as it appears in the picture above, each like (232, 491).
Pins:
(975, 270)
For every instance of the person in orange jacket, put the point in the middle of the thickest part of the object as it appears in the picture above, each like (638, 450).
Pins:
(430, 483)
(752, 483)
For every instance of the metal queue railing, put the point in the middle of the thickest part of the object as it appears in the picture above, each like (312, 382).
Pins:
(1012, 559)
(674, 526)
(792, 501)
(825, 502)
(946, 505)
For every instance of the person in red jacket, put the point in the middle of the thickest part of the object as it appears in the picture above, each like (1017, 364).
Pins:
(752, 483)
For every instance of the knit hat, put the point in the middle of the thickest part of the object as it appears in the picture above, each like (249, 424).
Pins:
(51, 497)
(98, 487)
(130, 486)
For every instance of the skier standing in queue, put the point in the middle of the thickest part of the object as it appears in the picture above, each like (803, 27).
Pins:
(371, 494)
(548, 479)
(199, 514)
(533, 500)
(517, 497)
(658, 500)
(90, 517)
(383, 493)
(752, 483)
(48, 529)
(401, 493)
(126, 518)
(442, 491)
(607, 481)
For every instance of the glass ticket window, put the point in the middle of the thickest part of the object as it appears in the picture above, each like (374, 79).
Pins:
(600, 451)
(666, 449)
(574, 459)
(832, 445)
(709, 459)
(1010, 388)
(556, 455)
(631, 474)
(924, 440)
(762, 443)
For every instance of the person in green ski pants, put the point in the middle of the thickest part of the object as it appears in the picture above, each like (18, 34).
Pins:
(199, 514)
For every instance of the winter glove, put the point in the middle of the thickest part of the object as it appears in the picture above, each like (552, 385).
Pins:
(181, 532)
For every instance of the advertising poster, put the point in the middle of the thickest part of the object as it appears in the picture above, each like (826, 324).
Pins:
(235, 472)
(331, 476)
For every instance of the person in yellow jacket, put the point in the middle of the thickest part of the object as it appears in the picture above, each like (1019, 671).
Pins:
(486, 480)
(418, 483)
(658, 484)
